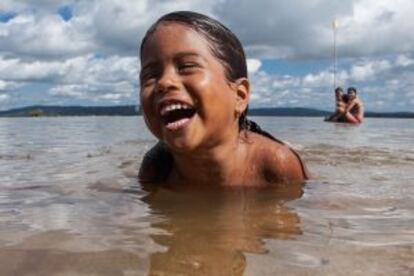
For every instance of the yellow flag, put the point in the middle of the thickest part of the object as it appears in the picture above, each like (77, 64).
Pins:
(334, 24)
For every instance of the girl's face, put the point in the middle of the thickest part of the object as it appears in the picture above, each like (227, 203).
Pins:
(186, 98)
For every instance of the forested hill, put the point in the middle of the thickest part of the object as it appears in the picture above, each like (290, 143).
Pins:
(38, 111)
(131, 110)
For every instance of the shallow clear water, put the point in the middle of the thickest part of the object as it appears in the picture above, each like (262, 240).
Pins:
(70, 204)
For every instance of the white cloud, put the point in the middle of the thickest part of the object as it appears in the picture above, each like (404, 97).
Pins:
(87, 69)
(82, 69)
(274, 90)
(381, 84)
(111, 96)
(4, 97)
(16, 70)
(83, 77)
(303, 28)
(282, 29)
(378, 27)
(119, 26)
(253, 65)
(41, 5)
(369, 70)
(109, 92)
(404, 61)
(8, 85)
(73, 90)
(317, 80)
(281, 82)
(45, 36)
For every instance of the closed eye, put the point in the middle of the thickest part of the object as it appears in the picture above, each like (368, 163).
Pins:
(148, 76)
(187, 67)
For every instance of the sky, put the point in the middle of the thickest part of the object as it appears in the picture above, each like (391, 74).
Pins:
(86, 52)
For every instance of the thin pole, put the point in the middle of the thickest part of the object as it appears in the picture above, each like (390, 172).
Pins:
(334, 25)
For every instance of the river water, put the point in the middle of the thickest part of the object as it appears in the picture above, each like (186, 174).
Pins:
(70, 204)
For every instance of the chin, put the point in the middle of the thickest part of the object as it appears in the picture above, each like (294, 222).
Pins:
(181, 150)
(187, 146)
(180, 145)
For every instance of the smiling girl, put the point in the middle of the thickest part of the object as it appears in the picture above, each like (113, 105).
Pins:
(194, 95)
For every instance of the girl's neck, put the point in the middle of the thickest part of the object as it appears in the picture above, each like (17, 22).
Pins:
(222, 165)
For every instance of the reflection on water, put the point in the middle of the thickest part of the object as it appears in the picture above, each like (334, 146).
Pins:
(180, 233)
(70, 204)
(38, 256)
(207, 233)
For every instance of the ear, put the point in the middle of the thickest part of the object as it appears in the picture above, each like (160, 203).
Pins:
(242, 94)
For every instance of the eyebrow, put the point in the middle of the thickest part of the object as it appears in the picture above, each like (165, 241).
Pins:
(186, 54)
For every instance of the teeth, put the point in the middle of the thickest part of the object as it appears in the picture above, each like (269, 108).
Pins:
(171, 107)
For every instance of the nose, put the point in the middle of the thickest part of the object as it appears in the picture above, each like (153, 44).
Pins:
(167, 81)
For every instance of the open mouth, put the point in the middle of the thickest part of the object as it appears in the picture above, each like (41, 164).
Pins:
(176, 115)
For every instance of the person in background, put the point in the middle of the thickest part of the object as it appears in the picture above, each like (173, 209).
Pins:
(341, 101)
(354, 112)
(349, 108)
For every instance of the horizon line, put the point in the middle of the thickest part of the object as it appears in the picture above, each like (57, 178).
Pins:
(137, 105)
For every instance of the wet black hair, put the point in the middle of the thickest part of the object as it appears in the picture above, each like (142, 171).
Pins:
(224, 45)
(352, 89)
(339, 89)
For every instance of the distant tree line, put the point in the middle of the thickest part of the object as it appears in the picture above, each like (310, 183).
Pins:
(132, 110)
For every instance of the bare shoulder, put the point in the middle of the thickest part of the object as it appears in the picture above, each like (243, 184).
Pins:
(353, 102)
(156, 165)
(279, 163)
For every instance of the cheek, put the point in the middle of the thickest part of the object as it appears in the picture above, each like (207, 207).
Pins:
(219, 103)
(213, 90)
(145, 101)
(149, 113)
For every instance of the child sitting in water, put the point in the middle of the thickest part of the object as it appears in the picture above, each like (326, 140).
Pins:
(341, 101)
(354, 111)
(349, 108)
(194, 95)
